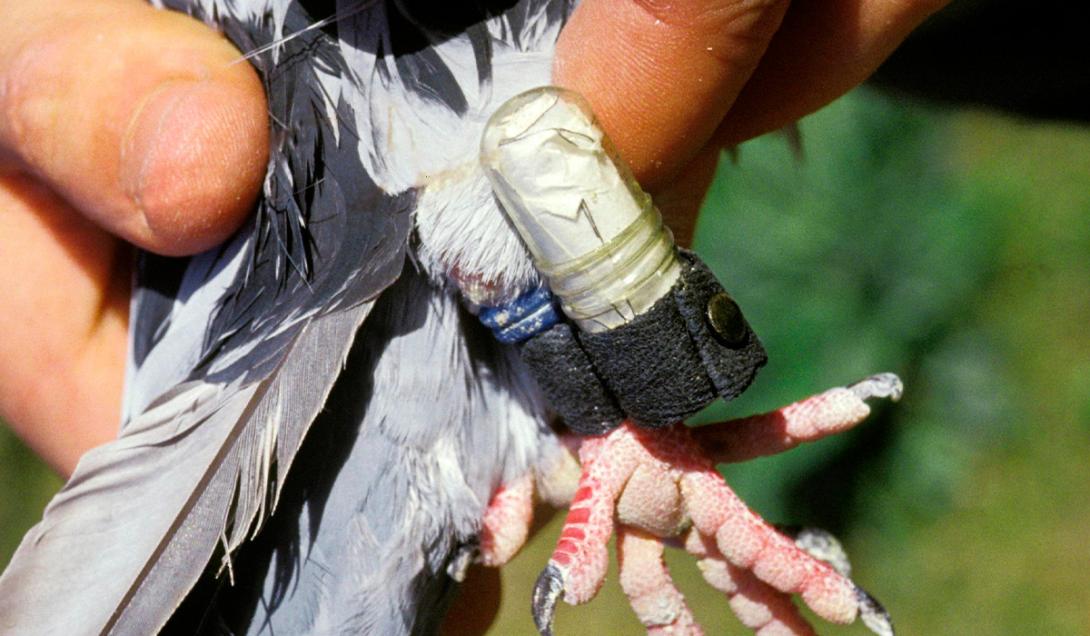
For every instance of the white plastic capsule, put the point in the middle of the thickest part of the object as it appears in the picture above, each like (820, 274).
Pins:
(594, 235)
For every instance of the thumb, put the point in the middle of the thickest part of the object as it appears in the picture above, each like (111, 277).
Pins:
(142, 119)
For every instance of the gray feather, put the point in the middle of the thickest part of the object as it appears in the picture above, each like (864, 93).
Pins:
(234, 352)
(388, 484)
(231, 376)
(151, 507)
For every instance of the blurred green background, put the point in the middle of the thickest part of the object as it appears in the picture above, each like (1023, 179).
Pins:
(952, 247)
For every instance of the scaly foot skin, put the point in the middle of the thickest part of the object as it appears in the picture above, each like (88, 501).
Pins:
(507, 521)
(662, 484)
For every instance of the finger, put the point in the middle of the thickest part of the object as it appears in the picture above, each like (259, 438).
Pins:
(646, 582)
(139, 118)
(822, 50)
(661, 76)
(680, 200)
(506, 522)
(581, 554)
(757, 605)
(63, 321)
(818, 416)
(748, 542)
(556, 475)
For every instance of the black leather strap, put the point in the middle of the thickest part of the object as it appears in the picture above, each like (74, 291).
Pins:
(691, 347)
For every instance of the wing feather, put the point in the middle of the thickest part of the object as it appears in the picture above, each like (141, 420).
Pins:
(234, 352)
(247, 341)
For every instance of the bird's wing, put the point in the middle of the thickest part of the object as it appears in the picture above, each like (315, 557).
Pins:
(429, 415)
(233, 354)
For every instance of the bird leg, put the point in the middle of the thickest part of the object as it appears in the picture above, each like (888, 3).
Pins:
(827, 413)
(506, 522)
(646, 582)
(657, 484)
(758, 605)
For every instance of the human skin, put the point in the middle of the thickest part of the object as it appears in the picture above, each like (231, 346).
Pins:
(101, 146)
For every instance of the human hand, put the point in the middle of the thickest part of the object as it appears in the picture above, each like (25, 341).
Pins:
(674, 83)
(119, 124)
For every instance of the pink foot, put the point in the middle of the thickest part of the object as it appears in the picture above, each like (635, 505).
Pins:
(759, 606)
(507, 521)
(646, 582)
(657, 483)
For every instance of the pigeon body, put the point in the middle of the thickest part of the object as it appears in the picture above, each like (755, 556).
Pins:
(386, 487)
(331, 307)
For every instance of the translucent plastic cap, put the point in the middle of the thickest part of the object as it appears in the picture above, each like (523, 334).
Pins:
(593, 233)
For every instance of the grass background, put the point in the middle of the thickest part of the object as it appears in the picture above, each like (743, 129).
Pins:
(952, 247)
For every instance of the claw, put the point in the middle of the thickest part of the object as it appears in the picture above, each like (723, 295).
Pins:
(873, 615)
(818, 416)
(651, 485)
(547, 591)
(748, 542)
(464, 556)
(821, 544)
(879, 385)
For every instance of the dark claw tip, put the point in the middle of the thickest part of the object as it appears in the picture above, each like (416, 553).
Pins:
(465, 555)
(547, 590)
(873, 615)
